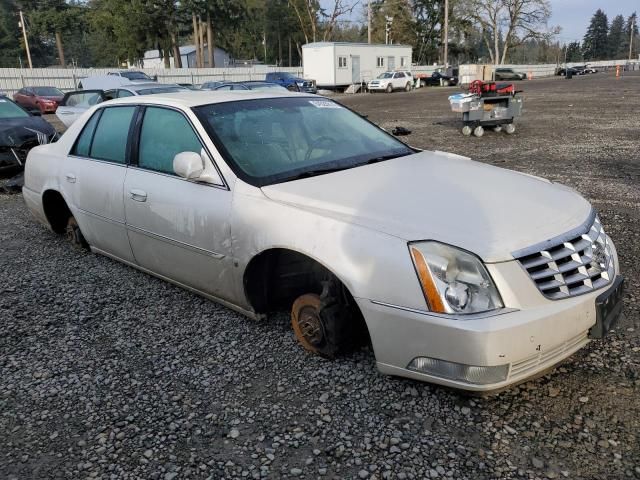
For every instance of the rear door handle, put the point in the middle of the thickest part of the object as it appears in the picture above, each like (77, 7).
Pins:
(138, 195)
(71, 178)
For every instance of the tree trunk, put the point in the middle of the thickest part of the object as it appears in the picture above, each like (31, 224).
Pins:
(496, 43)
(177, 59)
(201, 33)
(279, 47)
(63, 64)
(196, 39)
(290, 59)
(210, 46)
(167, 58)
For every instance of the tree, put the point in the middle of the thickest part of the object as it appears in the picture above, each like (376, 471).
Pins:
(616, 38)
(10, 49)
(514, 20)
(632, 22)
(596, 40)
(574, 52)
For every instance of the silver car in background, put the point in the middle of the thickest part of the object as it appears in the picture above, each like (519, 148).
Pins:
(456, 272)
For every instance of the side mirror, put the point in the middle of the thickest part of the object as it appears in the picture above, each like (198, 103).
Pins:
(188, 165)
(196, 166)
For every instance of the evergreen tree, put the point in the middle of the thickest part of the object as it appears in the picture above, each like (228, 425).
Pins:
(626, 37)
(574, 52)
(616, 38)
(596, 41)
(10, 49)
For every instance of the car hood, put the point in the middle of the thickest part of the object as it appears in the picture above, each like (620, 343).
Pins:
(433, 195)
(16, 131)
(54, 98)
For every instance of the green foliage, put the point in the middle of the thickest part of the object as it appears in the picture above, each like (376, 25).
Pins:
(596, 40)
(616, 38)
(574, 52)
(10, 49)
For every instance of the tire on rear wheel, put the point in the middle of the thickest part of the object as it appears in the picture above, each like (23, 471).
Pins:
(478, 131)
(467, 130)
(407, 87)
(509, 129)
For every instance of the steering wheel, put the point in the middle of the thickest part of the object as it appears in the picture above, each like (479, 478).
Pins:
(316, 144)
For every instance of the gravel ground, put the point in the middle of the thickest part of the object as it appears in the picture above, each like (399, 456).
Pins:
(106, 372)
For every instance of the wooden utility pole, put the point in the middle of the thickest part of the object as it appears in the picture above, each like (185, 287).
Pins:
(26, 41)
(446, 34)
(369, 21)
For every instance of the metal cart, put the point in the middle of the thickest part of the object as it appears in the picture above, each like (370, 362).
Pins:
(480, 112)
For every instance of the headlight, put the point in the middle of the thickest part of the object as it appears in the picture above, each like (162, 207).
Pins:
(453, 280)
(300, 84)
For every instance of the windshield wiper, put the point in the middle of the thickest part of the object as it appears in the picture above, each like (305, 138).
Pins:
(382, 158)
(319, 171)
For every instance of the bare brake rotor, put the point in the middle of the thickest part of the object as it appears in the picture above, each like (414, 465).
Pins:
(306, 322)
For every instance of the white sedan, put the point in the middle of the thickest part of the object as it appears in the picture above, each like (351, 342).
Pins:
(457, 272)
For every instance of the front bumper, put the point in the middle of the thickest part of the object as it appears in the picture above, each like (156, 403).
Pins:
(523, 343)
(377, 86)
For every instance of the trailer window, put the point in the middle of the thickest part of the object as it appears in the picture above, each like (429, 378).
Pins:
(403, 61)
(342, 62)
(380, 61)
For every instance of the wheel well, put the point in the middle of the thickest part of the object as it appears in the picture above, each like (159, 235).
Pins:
(275, 278)
(56, 210)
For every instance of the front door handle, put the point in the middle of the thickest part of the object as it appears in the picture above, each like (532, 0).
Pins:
(71, 178)
(138, 195)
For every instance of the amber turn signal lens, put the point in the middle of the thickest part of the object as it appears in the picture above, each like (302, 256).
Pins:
(426, 280)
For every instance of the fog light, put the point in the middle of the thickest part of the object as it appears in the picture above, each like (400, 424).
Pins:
(459, 371)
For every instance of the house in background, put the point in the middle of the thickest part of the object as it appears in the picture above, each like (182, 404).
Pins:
(221, 58)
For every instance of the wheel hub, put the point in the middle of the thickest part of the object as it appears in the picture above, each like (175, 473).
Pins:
(310, 325)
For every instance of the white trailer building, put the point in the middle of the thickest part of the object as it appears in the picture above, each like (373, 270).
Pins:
(340, 64)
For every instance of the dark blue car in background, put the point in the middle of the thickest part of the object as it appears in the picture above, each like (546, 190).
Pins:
(291, 82)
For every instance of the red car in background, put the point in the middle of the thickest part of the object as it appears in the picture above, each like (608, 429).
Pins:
(43, 99)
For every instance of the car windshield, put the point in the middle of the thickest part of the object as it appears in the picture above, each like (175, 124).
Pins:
(386, 75)
(47, 92)
(274, 140)
(135, 75)
(285, 75)
(8, 109)
(151, 91)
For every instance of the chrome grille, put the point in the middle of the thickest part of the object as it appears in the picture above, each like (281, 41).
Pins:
(577, 265)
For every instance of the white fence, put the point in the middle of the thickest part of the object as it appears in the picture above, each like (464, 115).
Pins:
(13, 79)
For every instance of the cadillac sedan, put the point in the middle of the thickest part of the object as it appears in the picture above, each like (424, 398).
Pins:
(456, 272)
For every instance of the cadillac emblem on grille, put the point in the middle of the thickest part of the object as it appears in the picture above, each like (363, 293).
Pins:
(573, 265)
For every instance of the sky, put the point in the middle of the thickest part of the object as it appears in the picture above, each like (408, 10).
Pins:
(574, 15)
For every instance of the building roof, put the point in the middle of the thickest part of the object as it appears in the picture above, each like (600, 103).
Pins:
(184, 50)
(353, 44)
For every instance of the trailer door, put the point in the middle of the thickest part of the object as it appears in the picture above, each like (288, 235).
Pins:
(391, 63)
(355, 69)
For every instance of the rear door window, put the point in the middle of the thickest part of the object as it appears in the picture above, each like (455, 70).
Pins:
(83, 144)
(111, 135)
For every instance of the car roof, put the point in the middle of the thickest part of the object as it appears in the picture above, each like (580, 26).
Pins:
(195, 98)
(145, 86)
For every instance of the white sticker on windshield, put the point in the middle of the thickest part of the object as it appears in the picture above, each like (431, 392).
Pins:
(324, 104)
(2, 101)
